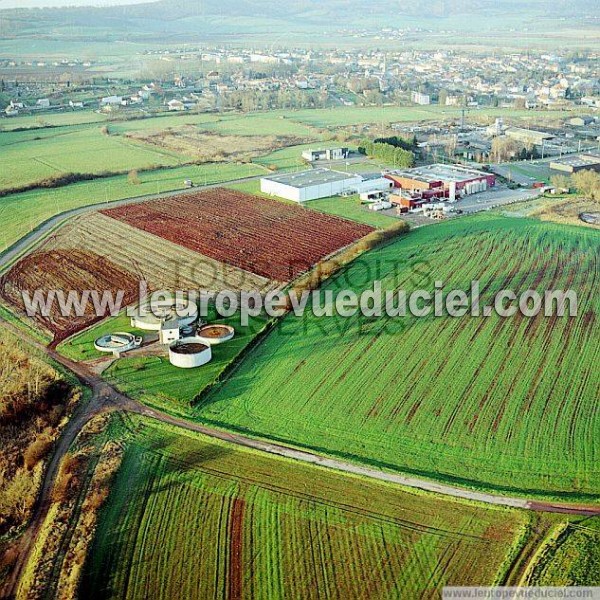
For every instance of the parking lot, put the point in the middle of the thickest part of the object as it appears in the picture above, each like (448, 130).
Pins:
(496, 197)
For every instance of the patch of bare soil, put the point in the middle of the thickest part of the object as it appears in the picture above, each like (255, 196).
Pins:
(569, 212)
(205, 146)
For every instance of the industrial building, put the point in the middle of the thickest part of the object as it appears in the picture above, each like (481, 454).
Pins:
(326, 154)
(419, 98)
(441, 180)
(528, 136)
(573, 164)
(321, 183)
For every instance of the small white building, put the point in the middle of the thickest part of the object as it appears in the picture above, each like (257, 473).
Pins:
(169, 332)
(176, 105)
(111, 101)
(43, 103)
(326, 154)
(419, 98)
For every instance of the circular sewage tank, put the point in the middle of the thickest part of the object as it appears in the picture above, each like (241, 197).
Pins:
(117, 342)
(215, 334)
(189, 353)
(151, 317)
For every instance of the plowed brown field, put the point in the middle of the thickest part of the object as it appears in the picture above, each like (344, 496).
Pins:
(66, 270)
(267, 237)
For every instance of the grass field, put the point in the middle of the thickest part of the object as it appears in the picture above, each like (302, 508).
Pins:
(191, 517)
(412, 394)
(351, 208)
(23, 212)
(81, 346)
(291, 158)
(52, 120)
(354, 115)
(81, 151)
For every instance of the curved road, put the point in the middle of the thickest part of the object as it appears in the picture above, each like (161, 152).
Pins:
(26, 242)
(105, 397)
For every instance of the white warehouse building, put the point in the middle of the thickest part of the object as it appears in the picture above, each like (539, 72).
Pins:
(321, 183)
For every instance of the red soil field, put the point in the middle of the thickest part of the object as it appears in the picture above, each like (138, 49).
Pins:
(267, 237)
(236, 561)
(66, 270)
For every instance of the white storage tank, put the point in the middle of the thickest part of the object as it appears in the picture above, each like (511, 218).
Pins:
(215, 334)
(189, 353)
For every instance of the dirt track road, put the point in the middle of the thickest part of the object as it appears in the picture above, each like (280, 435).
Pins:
(105, 397)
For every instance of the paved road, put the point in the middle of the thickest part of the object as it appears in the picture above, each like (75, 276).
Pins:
(12, 252)
(495, 197)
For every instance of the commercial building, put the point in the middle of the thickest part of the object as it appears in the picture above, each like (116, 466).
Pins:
(442, 180)
(321, 183)
(580, 162)
(326, 154)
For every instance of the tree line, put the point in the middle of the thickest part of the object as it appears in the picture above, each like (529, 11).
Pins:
(394, 151)
(586, 182)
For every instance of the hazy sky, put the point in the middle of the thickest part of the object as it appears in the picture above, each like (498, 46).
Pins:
(40, 3)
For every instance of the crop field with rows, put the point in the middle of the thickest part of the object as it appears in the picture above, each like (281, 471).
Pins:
(272, 239)
(163, 264)
(190, 517)
(508, 404)
(66, 270)
(27, 210)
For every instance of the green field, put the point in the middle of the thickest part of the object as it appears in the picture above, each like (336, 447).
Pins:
(23, 212)
(351, 208)
(80, 347)
(504, 404)
(573, 559)
(355, 115)
(271, 123)
(52, 120)
(190, 517)
(291, 158)
(80, 151)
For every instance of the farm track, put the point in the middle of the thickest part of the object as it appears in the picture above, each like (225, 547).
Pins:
(107, 398)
